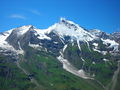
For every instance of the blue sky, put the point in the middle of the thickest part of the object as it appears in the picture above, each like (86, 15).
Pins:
(91, 14)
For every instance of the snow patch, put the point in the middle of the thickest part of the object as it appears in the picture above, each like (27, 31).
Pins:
(33, 45)
(105, 60)
(64, 48)
(102, 52)
(95, 44)
(93, 62)
(96, 50)
(83, 59)
(82, 73)
(41, 34)
(112, 43)
(72, 43)
(55, 42)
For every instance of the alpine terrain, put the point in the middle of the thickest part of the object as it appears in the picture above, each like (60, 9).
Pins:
(65, 56)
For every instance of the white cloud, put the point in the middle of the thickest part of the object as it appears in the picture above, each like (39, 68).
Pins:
(34, 11)
(17, 16)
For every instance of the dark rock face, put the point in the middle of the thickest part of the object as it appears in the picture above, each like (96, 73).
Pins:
(100, 34)
(104, 35)
(13, 40)
(116, 36)
(54, 45)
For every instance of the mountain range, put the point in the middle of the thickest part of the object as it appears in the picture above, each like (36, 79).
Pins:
(65, 56)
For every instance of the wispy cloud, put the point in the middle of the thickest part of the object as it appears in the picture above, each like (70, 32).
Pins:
(17, 16)
(34, 11)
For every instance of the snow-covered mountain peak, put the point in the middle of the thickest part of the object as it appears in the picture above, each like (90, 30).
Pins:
(4, 35)
(68, 23)
(62, 28)
(22, 30)
(64, 20)
(69, 28)
(3, 43)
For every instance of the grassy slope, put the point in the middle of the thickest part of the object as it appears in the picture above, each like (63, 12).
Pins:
(11, 78)
(73, 54)
(103, 70)
(49, 73)
(118, 82)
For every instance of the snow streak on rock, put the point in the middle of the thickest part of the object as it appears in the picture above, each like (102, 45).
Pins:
(78, 43)
(70, 68)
